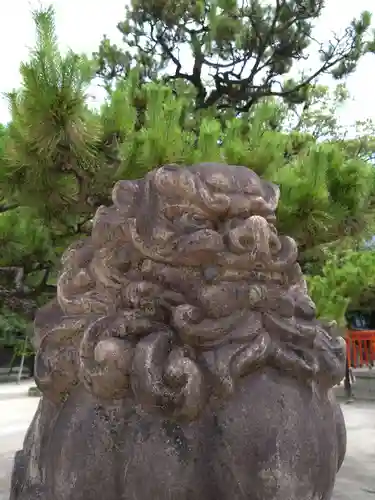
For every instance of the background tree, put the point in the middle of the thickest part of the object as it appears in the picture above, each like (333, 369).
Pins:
(53, 170)
(59, 160)
(326, 193)
(345, 278)
(232, 53)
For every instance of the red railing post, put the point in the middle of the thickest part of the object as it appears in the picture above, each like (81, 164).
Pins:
(360, 344)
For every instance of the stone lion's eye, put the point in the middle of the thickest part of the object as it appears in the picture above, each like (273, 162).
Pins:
(193, 219)
(197, 218)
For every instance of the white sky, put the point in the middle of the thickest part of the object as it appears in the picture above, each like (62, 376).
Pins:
(82, 23)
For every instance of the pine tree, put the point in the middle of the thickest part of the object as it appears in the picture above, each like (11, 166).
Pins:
(326, 193)
(232, 53)
(59, 160)
(53, 151)
(345, 280)
(52, 166)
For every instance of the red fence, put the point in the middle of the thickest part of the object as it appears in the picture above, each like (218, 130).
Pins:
(360, 347)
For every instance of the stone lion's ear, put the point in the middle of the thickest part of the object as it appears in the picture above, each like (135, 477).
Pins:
(108, 225)
(45, 318)
(271, 193)
(171, 179)
(166, 176)
(123, 194)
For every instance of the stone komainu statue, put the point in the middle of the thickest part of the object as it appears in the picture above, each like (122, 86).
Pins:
(181, 359)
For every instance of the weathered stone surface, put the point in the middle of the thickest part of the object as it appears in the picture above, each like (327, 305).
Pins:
(181, 359)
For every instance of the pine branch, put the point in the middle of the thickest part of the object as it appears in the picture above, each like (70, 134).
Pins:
(8, 208)
(18, 287)
(16, 274)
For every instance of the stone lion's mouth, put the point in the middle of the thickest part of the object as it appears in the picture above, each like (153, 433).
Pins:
(216, 274)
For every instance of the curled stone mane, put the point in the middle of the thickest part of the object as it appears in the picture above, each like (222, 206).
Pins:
(183, 288)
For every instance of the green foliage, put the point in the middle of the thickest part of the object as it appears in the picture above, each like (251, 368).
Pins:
(12, 327)
(52, 150)
(239, 52)
(343, 279)
(59, 159)
(326, 195)
(23, 238)
(53, 168)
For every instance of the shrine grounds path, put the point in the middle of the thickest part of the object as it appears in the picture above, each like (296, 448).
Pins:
(356, 480)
